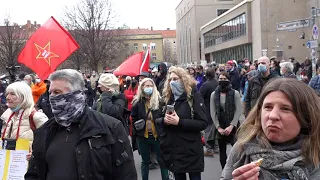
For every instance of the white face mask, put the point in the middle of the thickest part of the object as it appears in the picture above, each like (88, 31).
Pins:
(38, 80)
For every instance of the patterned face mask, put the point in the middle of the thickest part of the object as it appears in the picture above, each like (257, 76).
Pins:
(68, 107)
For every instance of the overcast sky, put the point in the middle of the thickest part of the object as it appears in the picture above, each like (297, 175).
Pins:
(135, 13)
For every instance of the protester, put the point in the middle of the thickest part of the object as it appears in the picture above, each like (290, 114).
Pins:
(21, 118)
(234, 75)
(315, 82)
(283, 130)
(28, 80)
(257, 83)
(162, 75)
(145, 109)
(206, 89)
(38, 89)
(287, 70)
(111, 101)
(79, 143)
(275, 67)
(94, 79)
(43, 103)
(131, 92)
(307, 70)
(200, 78)
(192, 71)
(225, 108)
(249, 75)
(180, 132)
(127, 83)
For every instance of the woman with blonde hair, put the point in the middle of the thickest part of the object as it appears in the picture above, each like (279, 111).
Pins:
(280, 137)
(181, 124)
(21, 118)
(144, 110)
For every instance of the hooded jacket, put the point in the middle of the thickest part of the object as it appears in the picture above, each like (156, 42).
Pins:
(162, 78)
(37, 90)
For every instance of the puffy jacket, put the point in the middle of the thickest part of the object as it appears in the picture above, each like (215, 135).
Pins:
(25, 132)
(315, 84)
(37, 90)
(200, 78)
(129, 93)
(235, 79)
(181, 146)
(107, 156)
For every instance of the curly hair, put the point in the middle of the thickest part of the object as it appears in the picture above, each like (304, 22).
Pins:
(187, 80)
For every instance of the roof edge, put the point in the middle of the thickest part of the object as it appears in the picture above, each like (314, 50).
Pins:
(227, 12)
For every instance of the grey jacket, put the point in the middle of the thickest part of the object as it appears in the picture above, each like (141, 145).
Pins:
(238, 158)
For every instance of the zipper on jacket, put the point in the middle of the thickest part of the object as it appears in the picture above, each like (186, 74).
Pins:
(68, 131)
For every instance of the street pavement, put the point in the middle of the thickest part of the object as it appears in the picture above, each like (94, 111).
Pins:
(212, 170)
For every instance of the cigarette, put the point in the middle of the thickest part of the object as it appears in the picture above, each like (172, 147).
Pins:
(259, 162)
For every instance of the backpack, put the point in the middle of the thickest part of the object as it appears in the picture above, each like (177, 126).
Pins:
(31, 121)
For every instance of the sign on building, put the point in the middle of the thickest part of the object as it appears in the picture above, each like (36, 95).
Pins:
(312, 44)
(293, 24)
(315, 32)
(264, 52)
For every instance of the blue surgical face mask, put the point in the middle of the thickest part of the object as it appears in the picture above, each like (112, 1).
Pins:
(177, 89)
(16, 109)
(262, 68)
(148, 90)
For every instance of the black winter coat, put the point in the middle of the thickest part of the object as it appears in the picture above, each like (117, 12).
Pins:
(138, 112)
(235, 79)
(113, 105)
(254, 89)
(206, 89)
(107, 156)
(44, 104)
(181, 145)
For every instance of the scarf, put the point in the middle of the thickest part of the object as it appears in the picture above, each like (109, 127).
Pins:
(225, 116)
(279, 162)
(67, 107)
(177, 89)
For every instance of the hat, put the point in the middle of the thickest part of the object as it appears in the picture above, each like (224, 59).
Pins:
(230, 62)
(146, 74)
(108, 80)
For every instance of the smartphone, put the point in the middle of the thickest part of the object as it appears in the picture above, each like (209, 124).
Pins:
(170, 109)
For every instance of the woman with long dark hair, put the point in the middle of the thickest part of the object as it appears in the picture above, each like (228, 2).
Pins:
(225, 104)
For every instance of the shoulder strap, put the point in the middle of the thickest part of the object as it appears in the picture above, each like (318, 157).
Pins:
(190, 102)
(31, 122)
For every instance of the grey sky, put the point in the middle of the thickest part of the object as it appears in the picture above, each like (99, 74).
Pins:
(135, 13)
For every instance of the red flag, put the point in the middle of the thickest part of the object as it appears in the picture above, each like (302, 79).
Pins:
(146, 62)
(131, 66)
(47, 48)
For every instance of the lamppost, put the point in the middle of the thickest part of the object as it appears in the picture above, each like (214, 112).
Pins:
(313, 50)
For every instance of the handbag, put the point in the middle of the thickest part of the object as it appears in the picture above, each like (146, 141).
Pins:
(140, 124)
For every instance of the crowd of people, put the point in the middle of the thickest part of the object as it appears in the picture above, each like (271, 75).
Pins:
(84, 126)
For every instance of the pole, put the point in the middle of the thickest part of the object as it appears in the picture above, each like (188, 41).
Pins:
(313, 50)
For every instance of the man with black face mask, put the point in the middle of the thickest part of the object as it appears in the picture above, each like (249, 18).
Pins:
(225, 110)
(79, 143)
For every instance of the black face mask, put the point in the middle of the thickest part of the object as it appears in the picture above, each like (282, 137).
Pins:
(128, 82)
(133, 84)
(224, 85)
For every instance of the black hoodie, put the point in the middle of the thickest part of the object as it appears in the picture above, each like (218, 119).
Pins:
(162, 78)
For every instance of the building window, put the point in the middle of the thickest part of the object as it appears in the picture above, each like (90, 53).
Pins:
(126, 45)
(221, 11)
(154, 56)
(144, 46)
(227, 31)
(153, 46)
(135, 46)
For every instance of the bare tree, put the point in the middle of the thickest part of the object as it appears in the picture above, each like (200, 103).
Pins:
(12, 40)
(90, 22)
(168, 53)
